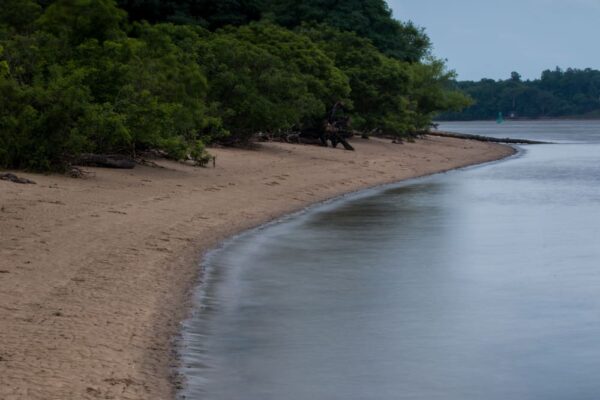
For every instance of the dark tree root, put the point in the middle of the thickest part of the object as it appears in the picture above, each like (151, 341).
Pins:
(7, 176)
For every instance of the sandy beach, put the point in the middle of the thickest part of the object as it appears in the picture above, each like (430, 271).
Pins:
(96, 273)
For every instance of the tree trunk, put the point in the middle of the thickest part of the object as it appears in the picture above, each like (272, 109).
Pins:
(105, 161)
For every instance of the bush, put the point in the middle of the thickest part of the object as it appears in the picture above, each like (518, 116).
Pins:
(199, 154)
(76, 76)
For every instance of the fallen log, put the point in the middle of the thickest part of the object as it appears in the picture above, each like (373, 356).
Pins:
(485, 138)
(105, 161)
(7, 176)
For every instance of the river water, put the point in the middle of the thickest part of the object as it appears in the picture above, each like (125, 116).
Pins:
(482, 283)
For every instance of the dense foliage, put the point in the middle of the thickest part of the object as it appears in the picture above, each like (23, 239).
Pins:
(211, 14)
(387, 94)
(122, 77)
(558, 93)
(371, 19)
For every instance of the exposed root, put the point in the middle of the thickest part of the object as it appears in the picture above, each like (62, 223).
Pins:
(76, 172)
(148, 163)
(7, 176)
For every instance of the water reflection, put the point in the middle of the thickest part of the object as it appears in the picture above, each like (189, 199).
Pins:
(478, 284)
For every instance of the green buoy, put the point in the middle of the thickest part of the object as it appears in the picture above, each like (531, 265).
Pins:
(500, 118)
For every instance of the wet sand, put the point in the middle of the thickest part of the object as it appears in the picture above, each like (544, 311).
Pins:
(96, 273)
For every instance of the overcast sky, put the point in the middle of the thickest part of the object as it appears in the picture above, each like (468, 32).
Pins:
(489, 39)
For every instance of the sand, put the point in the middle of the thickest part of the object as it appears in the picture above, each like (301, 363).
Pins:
(96, 273)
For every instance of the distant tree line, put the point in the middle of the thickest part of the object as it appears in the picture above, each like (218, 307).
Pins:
(107, 76)
(558, 93)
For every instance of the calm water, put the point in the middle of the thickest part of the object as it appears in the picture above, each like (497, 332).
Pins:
(477, 284)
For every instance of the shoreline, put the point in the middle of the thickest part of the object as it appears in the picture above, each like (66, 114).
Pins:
(98, 273)
(178, 377)
(482, 138)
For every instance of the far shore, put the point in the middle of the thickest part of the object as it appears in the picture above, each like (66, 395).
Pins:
(96, 274)
(524, 119)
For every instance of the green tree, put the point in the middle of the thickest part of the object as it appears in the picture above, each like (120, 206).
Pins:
(211, 14)
(368, 18)
(388, 95)
(18, 15)
(77, 75)
(557, 93)
(79, 20)
(433, 92)
(371, 19)
(265, 78)
(86, 86)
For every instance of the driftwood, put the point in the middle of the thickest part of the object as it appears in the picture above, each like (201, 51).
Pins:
(323, 137)
(485, 138)
(79, 173)
(343, 141)
(335, 129)
(148, 163)
(7, 176)
(105, 161)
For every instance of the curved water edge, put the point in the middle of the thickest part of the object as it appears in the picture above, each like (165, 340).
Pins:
(199, 304)
(477, 283)
(336, 201)
(325, 205)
